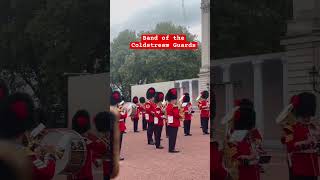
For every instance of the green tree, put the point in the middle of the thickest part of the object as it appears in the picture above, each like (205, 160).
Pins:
(129, 67)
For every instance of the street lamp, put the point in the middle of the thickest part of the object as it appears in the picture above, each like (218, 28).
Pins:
(314, 76)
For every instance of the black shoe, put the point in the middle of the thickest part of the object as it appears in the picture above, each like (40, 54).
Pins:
(151, 143)
(159, 147)
(186, 135)
(136, 131)
(121, 158)
(205, 133)
(189, 134)
(174, 151)
(124, 132)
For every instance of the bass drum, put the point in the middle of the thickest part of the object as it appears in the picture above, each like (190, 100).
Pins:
(72, 147)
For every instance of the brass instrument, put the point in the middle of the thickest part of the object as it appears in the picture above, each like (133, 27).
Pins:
(286, 118)
(181, 109)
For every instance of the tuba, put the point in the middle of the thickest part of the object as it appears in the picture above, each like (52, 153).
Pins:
(286, 118)
(181, 108)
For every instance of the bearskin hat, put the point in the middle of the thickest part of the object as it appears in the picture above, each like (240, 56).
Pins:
(142, 100)
(304, 104)
(135, 100)
(115, 98)
(17, 115)
(4, 91)
(171, 94)
(104, 121)
(204, 94)
(186, 98)
(151, 92)
(158, 97)
(81, 121)
(245, 117)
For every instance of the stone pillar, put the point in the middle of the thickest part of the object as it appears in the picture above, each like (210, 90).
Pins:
(258, 94)
(228, 88)
(285, 95)
(190, 90)
(204, 75)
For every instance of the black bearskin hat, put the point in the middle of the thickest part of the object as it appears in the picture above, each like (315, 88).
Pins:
(245, 116)
(151, 92)
(4, 91)
(205, 94)
(115, 98)
(103, 121)
(142, 100)
(81, 121)
(304, 104)
(158, 97)
(186, 98)
(17, 115)
(135, 100)
(171, 94)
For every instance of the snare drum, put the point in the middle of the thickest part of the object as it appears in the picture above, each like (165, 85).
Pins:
(73, 146)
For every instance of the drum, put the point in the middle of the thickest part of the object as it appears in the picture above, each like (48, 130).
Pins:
(72, 146)
(131, 108)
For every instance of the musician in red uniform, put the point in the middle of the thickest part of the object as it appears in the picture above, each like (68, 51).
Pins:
(173, 116)
(122, 115)
(135, 118)
(158, 119)
(299, 139)
(81, 124)
(150, 108)
(188, 111)
(204, 111)
(16, 116)
(245, 154)
(142, 111)
(105, 152)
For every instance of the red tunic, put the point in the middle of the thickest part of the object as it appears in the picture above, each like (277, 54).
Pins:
(217, 170)
(150, 108)
(159, 115)
(42, 169)
(173, 111)
(204, 108)
(100, 150)
(141, 110)
(302, 163)
(246, 172)
(187, 112)
(122, 124)
(136, 115)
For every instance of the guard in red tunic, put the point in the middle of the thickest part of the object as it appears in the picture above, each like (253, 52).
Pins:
(158, 118)
(81, 124)
(135, 118)
(188, 111)
(105, 151)
(242, 146)
(173, 117)
(150, 108)
(16, 116)
(204, 107)
(300, 140)
(142, 111)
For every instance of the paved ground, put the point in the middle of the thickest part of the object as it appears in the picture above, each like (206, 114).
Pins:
(144, 162)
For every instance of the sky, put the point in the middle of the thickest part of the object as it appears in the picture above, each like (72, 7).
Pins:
(140, 15)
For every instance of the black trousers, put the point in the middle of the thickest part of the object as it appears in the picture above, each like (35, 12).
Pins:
(150, 132)
(121, 136)
(106, 178)
(304, 177)
(144, 123)
(172, 132)
(204, 124)
(158, 131)
(187, 125)
(167, 134)
(135, 124)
